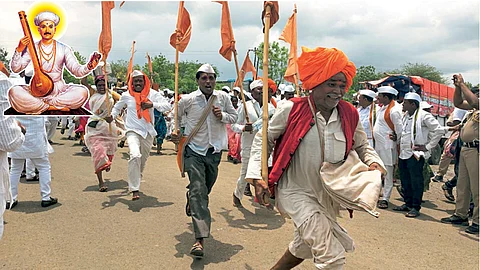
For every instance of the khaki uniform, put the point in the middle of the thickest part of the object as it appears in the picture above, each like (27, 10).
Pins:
(468, 169)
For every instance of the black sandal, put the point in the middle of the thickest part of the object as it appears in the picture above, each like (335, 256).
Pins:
(197, 250)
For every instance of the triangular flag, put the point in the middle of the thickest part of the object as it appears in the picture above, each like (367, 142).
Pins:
(105, 40)
(183, 31)
(289, 35)
(247, 66)
(226, 31)
(274, 13)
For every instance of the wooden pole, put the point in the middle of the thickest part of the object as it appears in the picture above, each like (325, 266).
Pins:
(265, 99)
(295, 56)
(175, 106)
(240, 84)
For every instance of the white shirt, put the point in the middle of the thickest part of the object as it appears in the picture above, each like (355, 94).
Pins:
(364, 114)
(213, 132)
(36, 144)
(255, 113)
(132, 123)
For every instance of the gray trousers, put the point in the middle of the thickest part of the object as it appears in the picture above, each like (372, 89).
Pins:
(202, 172)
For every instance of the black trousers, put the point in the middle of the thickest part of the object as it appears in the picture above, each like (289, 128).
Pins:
(202, 172)
(411, 175)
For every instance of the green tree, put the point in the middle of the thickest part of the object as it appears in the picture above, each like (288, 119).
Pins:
(4, 58)
(69, 78)
(277, 61)
(364, 73)
(119, 70)
(425, 71)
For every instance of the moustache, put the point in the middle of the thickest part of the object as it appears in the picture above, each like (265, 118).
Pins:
(334, 96)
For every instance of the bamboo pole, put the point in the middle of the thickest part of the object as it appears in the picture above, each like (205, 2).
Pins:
(265, 99)
(240, 84)
(175, 106)
(295, 56)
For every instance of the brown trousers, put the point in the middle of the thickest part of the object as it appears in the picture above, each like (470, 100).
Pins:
(467, 185)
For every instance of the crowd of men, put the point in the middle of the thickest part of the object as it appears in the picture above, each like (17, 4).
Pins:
(324, 153)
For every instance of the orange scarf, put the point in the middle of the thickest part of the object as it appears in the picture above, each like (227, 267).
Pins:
(387, 115)
(140, 97)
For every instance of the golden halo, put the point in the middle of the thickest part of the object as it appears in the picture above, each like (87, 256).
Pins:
(41, 6)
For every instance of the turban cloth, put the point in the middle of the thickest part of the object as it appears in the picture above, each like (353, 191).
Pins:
(272, 85)
(316, 66)
(46, 16)
(99, 78)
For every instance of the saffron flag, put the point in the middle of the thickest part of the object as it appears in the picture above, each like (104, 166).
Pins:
(289, 35)
(247, 66)
(226, 31)
(274, 13)
(105, 40)
(183, 30)
(4, 69)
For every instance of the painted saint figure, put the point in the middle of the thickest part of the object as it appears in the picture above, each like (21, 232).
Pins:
(53, 57)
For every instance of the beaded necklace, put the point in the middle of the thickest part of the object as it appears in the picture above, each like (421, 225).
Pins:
(48, 56)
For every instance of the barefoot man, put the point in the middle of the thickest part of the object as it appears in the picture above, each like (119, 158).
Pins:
(53, 56)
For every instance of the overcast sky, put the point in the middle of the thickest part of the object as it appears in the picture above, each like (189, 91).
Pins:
(386, 34)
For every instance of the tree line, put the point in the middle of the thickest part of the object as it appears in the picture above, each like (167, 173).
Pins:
(164, 70)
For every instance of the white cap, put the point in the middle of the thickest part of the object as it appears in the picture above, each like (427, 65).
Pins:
(256, 84)
(207, 68)
(289, 89)
(136, 73)
(425, 105)
(166, 89)
(236, 88)
(226, 88)
(46, 16)
(281, 87)
(387, 90)
(170, 92)
(368, 93)
(413, 96)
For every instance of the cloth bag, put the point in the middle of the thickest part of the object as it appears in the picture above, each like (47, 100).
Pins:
(351, 184)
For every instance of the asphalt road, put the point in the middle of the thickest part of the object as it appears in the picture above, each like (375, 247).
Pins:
(93, 230)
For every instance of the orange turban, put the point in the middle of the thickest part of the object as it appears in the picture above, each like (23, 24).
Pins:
(272, 85)
(320, 64)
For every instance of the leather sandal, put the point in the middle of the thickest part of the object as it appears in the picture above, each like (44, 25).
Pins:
(413, 213)
(197, 250)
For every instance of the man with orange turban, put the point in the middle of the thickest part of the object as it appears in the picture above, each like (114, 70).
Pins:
(139, 102)
(307, 133)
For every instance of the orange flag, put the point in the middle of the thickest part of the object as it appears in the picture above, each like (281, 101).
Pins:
(289, 35)
(150, 66)
(274, 13)
(226, 31)
(183, 31)
(105, 40)
(247, 66)
(4, 69)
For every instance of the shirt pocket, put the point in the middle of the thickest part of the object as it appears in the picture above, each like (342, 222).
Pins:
(338, 146)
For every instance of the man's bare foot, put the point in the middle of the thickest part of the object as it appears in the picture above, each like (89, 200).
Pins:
(53, 108)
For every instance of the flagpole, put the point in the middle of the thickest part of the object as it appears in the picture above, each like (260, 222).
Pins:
(175, 106)
(240, 84)
(265, 99)
(295, 77)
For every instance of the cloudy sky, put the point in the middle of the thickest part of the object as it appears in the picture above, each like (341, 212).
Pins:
(385, 34)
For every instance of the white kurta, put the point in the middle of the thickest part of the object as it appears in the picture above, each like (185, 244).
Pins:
(70, 96)
(364, 114)
(132, 123)
(385, 147)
